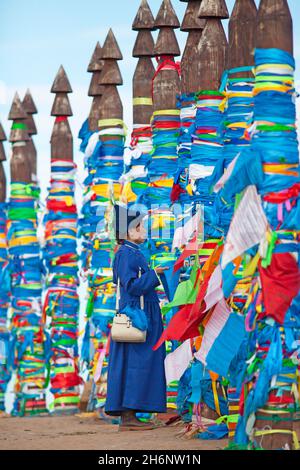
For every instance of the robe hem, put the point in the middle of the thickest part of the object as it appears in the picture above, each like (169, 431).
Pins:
(137, 410)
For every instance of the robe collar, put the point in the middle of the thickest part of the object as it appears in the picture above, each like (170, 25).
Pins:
(131, 244)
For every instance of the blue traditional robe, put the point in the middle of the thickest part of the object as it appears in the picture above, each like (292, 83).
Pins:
(136, 376)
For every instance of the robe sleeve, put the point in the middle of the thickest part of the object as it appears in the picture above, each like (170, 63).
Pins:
(128, 271)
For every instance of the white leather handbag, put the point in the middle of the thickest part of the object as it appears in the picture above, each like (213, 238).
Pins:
(122, 330)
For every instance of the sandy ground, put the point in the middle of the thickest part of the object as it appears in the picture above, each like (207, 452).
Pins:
(84, 432)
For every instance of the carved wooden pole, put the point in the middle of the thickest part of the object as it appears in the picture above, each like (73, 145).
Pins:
(189, 62)
(165, 130)
(135, 180)
(242, 33)
(275, 425)
(27, 322)
(144, 72)
(274, 25)
(105, 166)
(189, 86)
(166, 84)
(238, 118)
(5, 372)
(95, 90)
(111, 106)
(207, 145)
(270, 364)
(61, 138)
(19, 165)
(2, 159)
(60, 256)
(213, 46)
(30, 108)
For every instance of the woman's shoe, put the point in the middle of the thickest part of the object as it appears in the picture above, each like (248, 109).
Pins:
(129, 422)
(136, 426)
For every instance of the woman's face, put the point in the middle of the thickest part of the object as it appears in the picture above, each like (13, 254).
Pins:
(137, 234)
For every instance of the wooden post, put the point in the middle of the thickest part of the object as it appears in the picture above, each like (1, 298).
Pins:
(61, 138)
(110, 105)
(105, 169)
(2, 172)
(275, 30)
(190, 61)
(30, 108)
(213, 46)
(141, 137)
(212, 59)
(166, 84)
(60, 256)
(144, 72)
(5, 370)
(190, 84)
(242, 32)
(274, 25)
(20, 167)
(242, 28)
(27, 322)
(96, 90)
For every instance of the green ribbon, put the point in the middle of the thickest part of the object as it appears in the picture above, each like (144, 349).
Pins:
(19, 125)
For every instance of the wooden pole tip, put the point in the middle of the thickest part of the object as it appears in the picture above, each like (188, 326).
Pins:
(274, 25)
(61, 82)
(28, 103)
(110, 49)
(16, 110)
(191, 21)
(244, 9)
(213, 9)
(144, 18)
(166, 16)
(96, 63)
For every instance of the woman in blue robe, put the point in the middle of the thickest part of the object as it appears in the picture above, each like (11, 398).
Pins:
(136, 377)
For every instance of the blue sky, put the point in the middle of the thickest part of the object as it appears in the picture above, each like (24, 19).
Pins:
(37, 36)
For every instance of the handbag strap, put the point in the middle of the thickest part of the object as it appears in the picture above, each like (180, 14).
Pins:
(142, 300)
(118, 295)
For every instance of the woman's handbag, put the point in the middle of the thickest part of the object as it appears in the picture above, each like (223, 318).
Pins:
(122, 330)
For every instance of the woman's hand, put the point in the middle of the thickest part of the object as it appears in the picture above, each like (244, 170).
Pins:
(161, 269)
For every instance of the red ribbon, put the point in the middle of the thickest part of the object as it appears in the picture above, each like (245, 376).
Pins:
(61, 119)
(61, 207)
(282, 196)
(166, 63)
(138, 133)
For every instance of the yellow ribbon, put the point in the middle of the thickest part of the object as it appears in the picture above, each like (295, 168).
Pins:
(127, 194)
(104, 189)
(267, 432)
(216, 397)
(159, 221)
(259, 68)
(142, 101)
(251, 267)
(167, 183)
(22, 241)
(112, 123)
(167, 112)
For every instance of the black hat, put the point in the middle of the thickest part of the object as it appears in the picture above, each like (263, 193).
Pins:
(125, 218)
